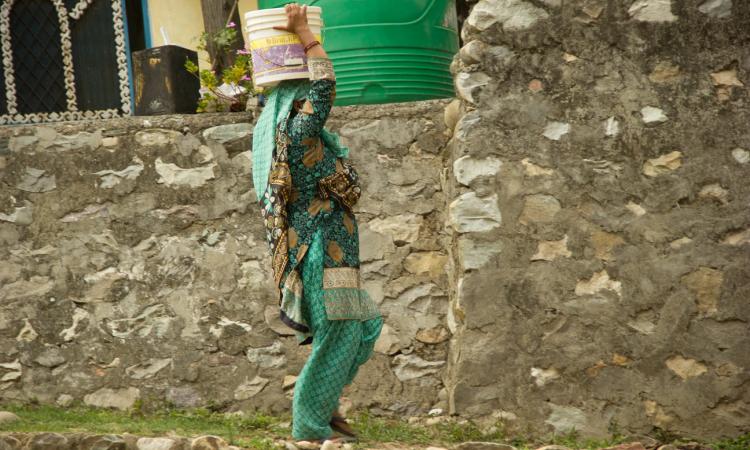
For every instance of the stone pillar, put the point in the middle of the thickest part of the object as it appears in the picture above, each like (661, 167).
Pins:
(599, 216)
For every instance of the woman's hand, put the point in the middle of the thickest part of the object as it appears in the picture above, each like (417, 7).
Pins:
(296, 22)
(296, 17)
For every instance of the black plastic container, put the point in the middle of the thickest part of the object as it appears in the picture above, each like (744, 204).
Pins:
(162, 84)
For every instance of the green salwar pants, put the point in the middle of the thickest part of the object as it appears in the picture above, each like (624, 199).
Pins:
(339, 348)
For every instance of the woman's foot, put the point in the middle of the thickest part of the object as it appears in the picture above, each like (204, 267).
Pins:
(340, 425)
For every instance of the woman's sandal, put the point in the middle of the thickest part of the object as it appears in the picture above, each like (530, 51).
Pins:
(340, 425)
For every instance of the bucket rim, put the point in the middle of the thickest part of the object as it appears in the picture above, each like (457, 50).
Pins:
(264, 19)
(266, 23)
(279, 11)
(273, 80)
(317, 30)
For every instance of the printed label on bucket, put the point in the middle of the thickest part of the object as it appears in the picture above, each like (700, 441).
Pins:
(277, 54)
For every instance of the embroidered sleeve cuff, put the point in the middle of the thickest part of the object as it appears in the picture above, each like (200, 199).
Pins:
(321, 69)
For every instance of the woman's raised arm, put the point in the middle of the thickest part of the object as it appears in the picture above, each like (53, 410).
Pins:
(317, 107)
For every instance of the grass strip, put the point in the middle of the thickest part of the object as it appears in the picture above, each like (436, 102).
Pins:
(259, 431)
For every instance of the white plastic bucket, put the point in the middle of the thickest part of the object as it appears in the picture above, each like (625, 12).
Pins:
(278, 55)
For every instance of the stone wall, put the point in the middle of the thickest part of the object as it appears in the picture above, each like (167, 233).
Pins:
(133, 265)
(574, 257)
(599, 207)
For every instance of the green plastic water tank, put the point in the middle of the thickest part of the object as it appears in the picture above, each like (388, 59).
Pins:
(387, 51)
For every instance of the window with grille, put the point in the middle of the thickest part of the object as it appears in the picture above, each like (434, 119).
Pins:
(62, 60)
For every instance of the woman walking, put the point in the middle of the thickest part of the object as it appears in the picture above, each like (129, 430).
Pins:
(306, 190)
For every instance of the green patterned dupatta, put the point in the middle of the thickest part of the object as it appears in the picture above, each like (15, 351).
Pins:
(344, 297)
(277, 109)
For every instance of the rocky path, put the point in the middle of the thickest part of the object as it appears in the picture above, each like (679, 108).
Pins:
(171, 441)
(85, 441)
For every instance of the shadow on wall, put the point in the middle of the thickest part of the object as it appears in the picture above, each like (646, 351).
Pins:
(464, 8)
